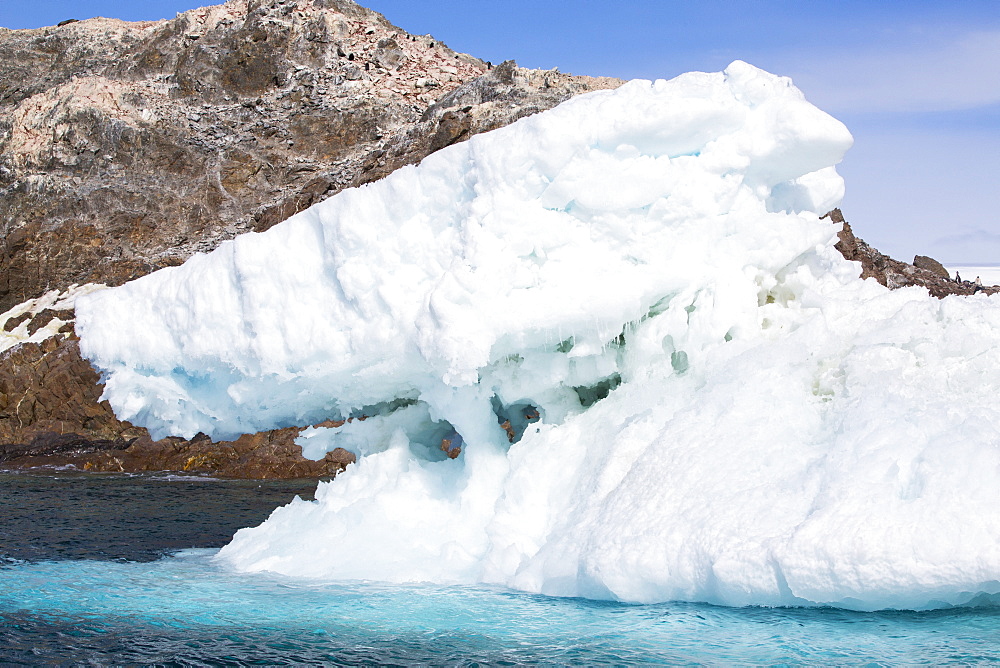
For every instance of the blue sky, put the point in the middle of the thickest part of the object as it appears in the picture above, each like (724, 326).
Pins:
(917, 82)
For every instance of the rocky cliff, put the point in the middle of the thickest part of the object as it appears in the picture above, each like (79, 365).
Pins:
(127, 147)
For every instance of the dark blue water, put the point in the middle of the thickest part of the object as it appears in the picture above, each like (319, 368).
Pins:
(129, 517)
(116, 590)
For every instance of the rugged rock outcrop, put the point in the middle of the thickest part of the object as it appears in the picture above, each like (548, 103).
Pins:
(929, 273)
(127, 147)
(931, 265)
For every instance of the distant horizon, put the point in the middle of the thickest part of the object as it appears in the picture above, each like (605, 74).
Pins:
(914, 83)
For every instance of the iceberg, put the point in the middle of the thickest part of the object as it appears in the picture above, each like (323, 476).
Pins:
(607, 351)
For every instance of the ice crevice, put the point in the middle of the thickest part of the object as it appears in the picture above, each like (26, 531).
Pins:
(609, 351)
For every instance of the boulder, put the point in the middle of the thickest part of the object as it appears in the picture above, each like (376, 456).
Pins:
(931, 265)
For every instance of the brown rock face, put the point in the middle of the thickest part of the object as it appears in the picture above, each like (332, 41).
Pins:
(931, 265)
(127, 147)
(895, 274)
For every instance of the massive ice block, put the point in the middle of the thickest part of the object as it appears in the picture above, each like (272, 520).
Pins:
(665, 381)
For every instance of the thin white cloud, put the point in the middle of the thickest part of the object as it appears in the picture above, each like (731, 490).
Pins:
(942, 76)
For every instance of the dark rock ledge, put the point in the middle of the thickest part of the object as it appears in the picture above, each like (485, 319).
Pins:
(51, 415)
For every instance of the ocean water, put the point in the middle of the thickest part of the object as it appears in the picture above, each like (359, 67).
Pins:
(119, 569)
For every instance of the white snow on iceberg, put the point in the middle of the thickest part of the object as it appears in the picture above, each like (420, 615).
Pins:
(628, 318)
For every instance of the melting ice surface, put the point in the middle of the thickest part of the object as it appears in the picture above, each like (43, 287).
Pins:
(725, 412)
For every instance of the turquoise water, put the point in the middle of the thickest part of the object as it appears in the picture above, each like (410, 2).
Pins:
(183, 609)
